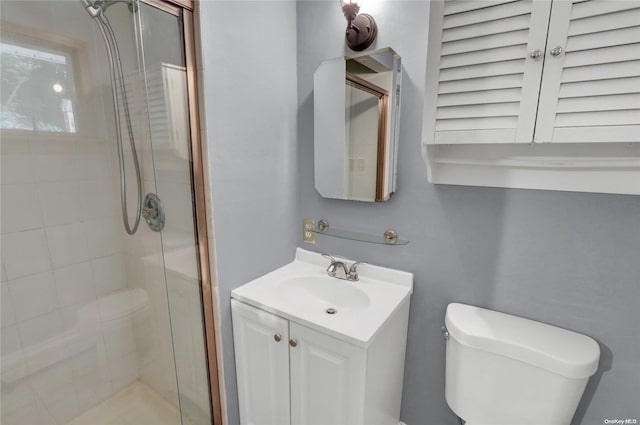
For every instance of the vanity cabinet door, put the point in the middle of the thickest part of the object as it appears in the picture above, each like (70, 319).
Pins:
(327, 379)
(262, 365)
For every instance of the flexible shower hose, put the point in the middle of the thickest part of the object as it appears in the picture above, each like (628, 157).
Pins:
(117, 76)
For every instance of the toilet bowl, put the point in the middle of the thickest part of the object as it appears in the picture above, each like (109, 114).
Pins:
(506, 370)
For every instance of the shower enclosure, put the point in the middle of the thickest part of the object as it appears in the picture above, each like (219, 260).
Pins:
(103, 323)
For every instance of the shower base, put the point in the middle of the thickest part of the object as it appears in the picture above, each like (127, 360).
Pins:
(137, 404)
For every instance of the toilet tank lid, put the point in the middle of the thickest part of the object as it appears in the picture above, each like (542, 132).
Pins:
(555, 349)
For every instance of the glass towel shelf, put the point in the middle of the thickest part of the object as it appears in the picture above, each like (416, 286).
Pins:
(388, 238)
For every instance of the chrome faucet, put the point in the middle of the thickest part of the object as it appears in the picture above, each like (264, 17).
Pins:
(338, 269)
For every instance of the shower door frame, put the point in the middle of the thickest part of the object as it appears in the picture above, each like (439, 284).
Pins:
(185, 7)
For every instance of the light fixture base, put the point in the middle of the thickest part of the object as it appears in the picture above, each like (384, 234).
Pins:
(362, 32)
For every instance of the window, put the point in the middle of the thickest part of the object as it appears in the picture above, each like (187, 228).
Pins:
(38, 91)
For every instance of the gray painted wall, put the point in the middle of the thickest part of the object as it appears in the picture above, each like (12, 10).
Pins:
(569, 259)
(249, 79)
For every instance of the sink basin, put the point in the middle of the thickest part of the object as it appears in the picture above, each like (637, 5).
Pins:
(327, 292)
(303, 292)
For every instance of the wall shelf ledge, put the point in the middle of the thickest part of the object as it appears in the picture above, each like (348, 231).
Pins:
(389, 237)
(584, 167)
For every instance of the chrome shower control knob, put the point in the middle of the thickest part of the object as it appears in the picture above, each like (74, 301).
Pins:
(556, 51)
(149, 213)
(153, 212)
(536, 54)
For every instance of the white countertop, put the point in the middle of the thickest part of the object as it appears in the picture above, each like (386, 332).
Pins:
(363, 307)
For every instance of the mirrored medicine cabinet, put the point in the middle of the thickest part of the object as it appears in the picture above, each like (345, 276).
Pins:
(356, 120)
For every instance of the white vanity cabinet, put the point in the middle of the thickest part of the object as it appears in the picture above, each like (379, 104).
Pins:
(289, 373)
(562, 71)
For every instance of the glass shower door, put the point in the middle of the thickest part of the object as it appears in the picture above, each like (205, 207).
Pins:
(163, 53)
(98, 326)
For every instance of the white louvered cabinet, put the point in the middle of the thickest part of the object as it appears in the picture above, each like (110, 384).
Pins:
(482, 72)
(590, 89)
(533, 71)
(507, 79)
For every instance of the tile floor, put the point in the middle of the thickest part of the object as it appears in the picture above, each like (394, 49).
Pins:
(135, 405)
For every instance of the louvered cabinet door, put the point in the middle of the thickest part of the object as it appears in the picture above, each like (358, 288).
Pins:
(484, 64)
(590, 89)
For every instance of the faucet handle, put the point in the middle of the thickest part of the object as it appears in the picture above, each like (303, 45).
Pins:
(331, 268)
(355, 265)
(333, 260)
(353, 270)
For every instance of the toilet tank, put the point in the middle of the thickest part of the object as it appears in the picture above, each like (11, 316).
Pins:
(506, 370)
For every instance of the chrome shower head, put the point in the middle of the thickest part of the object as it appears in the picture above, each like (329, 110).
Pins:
(92, 8)
(96, 8)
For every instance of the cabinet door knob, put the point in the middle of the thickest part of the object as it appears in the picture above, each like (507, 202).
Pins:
(277, 337)
(556, 51)
(293, 342)
(535, 54)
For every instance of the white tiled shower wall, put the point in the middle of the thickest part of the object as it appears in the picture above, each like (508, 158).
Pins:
(63, 246)
(61, 249)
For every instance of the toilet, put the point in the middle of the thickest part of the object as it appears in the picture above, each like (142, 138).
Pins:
(506, 370)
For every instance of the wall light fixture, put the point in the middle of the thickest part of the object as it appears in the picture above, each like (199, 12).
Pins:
(361, 29)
